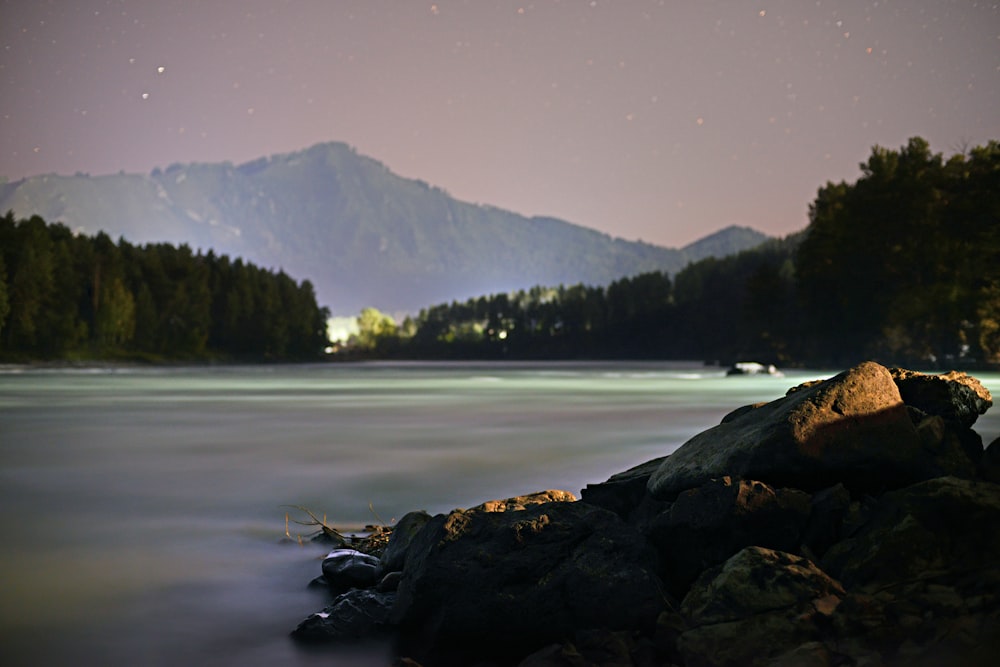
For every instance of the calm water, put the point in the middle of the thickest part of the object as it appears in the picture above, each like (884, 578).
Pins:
(142, 509)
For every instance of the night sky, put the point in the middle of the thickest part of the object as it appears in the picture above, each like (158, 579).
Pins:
(661, 121)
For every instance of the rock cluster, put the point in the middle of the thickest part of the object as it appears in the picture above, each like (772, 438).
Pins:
(855, 521)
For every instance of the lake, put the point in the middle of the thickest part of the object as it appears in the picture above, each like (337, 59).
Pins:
(143, 509)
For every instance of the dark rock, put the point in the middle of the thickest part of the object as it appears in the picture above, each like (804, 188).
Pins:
(399, 541)
(707, 525)
(943, 525)
(954, 396)
(624, 491)
(924, 575)
(989, 464)
(810, 654)
(345, 569)
(954, 450)
(595, 647)
(921, 624)
(739, 412)
(357, 614)
(852, 428)
(504, 584)
(756, 607)
(827, 511)
(390, 582)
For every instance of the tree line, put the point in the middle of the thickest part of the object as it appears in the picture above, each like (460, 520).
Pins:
(68, 296)
(901, 266)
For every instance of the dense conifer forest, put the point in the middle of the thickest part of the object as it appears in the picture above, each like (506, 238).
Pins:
(69, 297)
(902, 266)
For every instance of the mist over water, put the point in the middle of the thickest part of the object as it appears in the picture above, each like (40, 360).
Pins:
(143, 509)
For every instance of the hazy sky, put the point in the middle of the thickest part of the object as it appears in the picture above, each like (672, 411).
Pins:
(660, 120)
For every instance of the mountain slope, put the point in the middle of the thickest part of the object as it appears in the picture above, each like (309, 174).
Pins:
(363, 235)
(728, 241)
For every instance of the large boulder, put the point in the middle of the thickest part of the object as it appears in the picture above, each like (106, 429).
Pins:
(853, 428)
(503, 584)
(758, 605)
(954, 396)
(707, 525)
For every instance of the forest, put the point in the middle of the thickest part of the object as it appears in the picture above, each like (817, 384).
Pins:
(70, 297)
(901, 266)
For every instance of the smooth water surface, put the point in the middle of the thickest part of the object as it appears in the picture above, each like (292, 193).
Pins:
(142, 509)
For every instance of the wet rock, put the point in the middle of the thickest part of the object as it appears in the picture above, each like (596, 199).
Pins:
(504, 584)
(853, 429)
(357, 614)
(345, 569)
(955, 396)
(707, 525)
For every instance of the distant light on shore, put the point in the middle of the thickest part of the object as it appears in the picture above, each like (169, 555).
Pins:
(339, 329)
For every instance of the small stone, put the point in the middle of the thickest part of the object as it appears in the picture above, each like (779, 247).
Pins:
(354, 615)
(345, 569)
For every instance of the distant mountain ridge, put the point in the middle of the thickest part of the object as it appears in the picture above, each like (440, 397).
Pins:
(363, 235)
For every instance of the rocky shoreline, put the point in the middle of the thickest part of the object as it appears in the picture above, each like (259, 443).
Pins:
(855, 521)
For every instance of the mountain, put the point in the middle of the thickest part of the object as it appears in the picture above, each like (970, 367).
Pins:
(728, 241)
(363, 235)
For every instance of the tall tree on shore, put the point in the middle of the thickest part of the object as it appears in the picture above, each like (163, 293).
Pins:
(67, 295)
(4, 301)
(898, 264)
